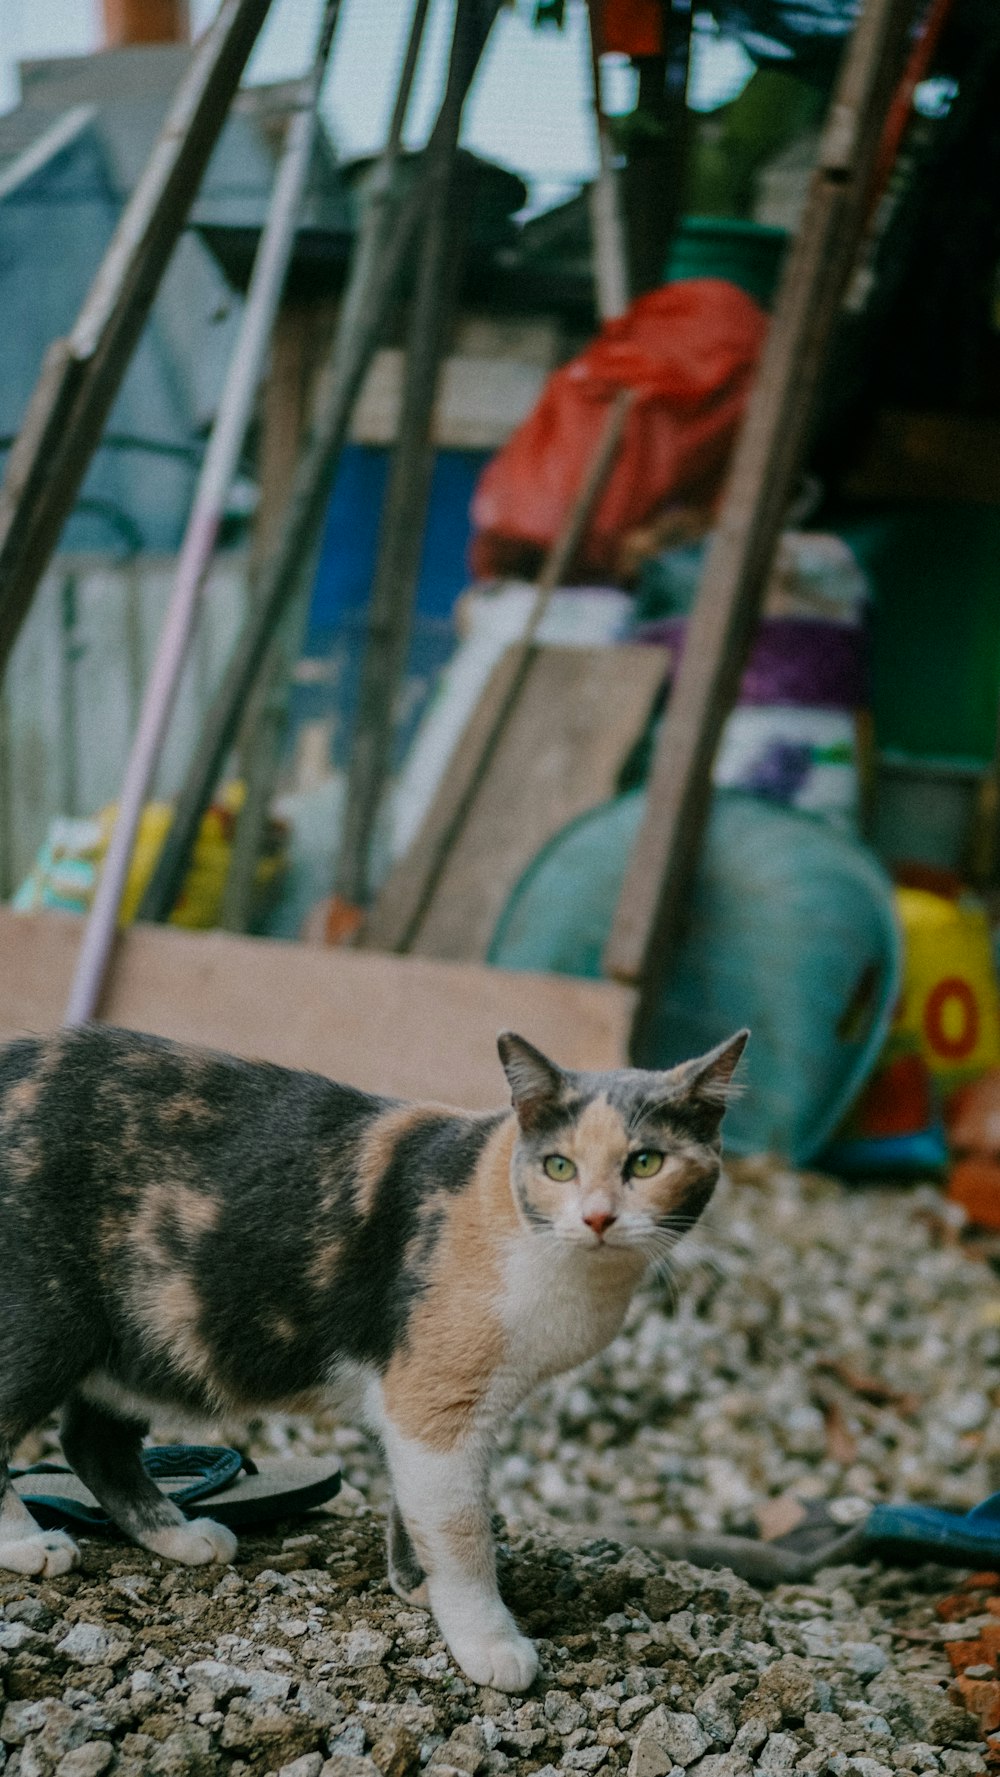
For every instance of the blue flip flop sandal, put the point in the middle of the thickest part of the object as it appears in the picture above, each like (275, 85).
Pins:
(931, 1533)
(235, 1490)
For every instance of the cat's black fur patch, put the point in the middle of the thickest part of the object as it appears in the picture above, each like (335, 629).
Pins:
(241, 1171)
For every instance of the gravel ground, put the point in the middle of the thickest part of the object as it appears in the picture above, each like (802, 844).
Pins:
(829, 1344)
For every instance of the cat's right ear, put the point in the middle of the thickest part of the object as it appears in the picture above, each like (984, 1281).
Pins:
(535, 1082)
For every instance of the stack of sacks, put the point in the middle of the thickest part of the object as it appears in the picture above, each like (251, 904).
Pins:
(800, 726)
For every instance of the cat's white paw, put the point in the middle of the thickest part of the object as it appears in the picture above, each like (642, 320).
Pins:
(42, 1553)
(506, 1662)
(195, 1543)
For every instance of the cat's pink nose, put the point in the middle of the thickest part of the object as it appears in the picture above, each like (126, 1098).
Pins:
(600, 1220)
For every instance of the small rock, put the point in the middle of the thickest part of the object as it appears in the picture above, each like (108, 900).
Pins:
(16, 1637)
(677, 1733)
(787, 1687)
(343, 1765)
(90, 1645)
(309, 1765)
(867, 1658)
(31, 1611)
(396, 1752)
(88, 1760)
(187, 1753)
(778, 1755)
(585, 1758)
(224, 1682)
(723, 1764)
(632, 1711)
(717, 1708)
(366, 1647)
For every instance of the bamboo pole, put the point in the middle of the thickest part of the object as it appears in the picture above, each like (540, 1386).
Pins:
(219, 467)
(81, 374)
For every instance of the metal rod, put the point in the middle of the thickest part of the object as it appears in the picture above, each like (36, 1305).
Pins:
(219, 467)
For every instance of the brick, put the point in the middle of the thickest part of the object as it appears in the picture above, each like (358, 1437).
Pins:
(981, 1697)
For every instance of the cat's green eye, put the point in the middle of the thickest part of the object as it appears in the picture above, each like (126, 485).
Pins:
(645, 1164)
(559, 1168)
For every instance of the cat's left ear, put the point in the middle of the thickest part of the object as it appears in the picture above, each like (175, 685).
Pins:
(536, 1083)
(705, 1085)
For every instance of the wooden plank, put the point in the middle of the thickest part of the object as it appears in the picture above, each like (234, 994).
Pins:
(769, 453)
(81, 374)
(407, 894)
(579, 713)
(405, 1026)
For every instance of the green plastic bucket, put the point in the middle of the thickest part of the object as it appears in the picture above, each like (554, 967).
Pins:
(744, 253)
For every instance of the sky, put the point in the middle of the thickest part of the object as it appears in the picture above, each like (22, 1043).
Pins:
(529, 109)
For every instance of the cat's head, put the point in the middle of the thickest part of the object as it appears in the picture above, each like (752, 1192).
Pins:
(622, 1159)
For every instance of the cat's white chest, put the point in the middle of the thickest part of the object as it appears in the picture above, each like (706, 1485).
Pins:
(560, 1305)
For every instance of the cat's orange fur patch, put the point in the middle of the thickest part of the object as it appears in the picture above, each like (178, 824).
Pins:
(378, 1146)
(175, 1206)
(19, 1101)
(187, 1107)
(22, 1154)
(468, 1538)
(600, 1134)
(456, 1339)
(324, 1262)
(171, 1311)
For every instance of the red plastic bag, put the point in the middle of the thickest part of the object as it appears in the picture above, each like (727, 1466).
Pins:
(688, 352)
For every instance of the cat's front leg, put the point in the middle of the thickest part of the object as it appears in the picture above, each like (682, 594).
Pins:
(442, 1500)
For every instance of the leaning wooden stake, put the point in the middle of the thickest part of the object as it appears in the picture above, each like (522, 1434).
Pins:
(404, 520)
(768, 456)
(221, 459)
(365, 310)
(82, 373)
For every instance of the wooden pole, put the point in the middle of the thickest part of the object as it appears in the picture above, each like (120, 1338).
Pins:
(404, 517)
(221, 459)
(301, 338)
(607, 224)
(769, 453)
(81, 374)
(364, 314)
(284, 437)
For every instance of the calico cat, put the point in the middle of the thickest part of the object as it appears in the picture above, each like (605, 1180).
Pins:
(222, 1236)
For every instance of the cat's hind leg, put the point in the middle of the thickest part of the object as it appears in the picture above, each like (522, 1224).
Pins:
(104, 1447)
(24, 1546)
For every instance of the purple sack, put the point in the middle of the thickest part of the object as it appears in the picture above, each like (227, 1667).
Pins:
(805, 662)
